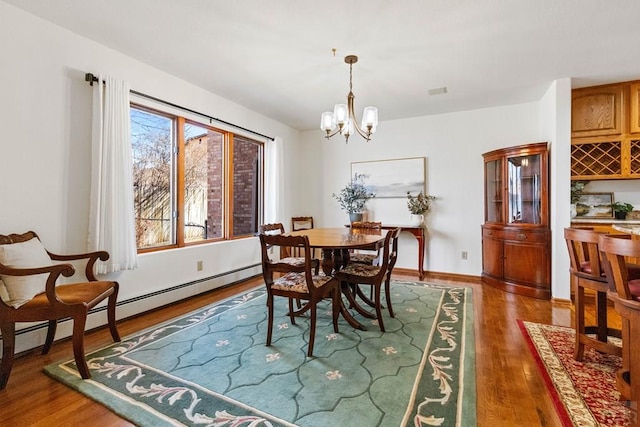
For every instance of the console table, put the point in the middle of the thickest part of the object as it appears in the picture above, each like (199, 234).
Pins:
(419, 234)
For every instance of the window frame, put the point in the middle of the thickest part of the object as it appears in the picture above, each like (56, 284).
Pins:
(177, 184)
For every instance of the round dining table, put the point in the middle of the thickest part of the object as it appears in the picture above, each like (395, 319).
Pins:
(335, 244)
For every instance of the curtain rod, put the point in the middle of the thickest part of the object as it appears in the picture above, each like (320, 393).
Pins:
(90, 77)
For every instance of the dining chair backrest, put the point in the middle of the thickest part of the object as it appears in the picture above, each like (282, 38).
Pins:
(624, 276)
(393, 255)
(271, 265)
(275, 228)
(385, 259)
(584, 253)
(367, 227)
(301, 223)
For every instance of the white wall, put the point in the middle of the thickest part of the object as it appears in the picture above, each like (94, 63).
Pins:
(555, 127)
(45, 109)
(453, 145)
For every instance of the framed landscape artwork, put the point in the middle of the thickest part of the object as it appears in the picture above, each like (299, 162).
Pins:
(393, 178)
(595, 205)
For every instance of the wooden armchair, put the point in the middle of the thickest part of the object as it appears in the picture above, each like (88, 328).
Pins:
(30, 277)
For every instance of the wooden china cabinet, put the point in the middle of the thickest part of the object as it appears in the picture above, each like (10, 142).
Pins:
(516, 238)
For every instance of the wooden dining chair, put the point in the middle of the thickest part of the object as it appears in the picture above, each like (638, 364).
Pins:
(287, 255)
(30, 277)
(627, 304)
(298, 282)
(356, 274)
(587, 273)
(302, 223)
(365, 256)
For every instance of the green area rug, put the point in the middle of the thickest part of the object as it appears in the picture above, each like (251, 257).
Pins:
(211, 367)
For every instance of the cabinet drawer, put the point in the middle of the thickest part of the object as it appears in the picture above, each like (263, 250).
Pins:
(528, 236)
(493, 233)
(525, 236)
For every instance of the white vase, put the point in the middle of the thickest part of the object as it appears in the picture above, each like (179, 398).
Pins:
(574, 211)
(417, 220)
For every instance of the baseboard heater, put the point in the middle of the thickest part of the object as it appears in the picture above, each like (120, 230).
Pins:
(146, 296)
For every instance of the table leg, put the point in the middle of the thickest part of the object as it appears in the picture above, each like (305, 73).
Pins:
(327, 261)
(420, 238)
(338, 262)
(344, 287)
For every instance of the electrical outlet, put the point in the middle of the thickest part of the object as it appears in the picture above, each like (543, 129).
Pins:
(465, 255)
(199, 266)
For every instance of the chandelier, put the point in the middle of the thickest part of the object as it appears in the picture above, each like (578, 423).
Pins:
(343, 116)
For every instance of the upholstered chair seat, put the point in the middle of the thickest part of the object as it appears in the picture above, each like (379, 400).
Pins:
(297, 282)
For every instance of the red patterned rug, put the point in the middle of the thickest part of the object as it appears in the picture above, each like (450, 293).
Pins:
(584, 393)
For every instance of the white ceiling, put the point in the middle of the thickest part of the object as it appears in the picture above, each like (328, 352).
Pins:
(275, 57)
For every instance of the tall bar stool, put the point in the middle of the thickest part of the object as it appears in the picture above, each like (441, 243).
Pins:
(626, 279)
(587, 272)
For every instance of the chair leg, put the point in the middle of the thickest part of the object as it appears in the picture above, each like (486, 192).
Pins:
(335, 295)
(601, 316)
(111, 316)
(387, 293)
(291, 312)
(79, 322)
(269, 318)
(8, 330)
(378, 305)
(579, 322)
(51, 334)
(312, 328)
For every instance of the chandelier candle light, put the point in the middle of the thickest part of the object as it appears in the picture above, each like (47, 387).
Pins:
(344, 117)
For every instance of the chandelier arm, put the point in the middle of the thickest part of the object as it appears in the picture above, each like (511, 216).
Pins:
(329, 135)
(352, 115)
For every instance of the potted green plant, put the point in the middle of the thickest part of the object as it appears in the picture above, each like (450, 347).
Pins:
(620, 209)
(353, 197)
(418, 206)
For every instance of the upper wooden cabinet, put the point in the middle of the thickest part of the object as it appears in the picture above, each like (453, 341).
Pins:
(597, 111)
(605, 132)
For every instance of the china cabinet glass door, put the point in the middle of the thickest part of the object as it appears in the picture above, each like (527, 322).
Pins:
(493, 192)
(524, 195)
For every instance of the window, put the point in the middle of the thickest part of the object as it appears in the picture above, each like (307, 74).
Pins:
(192, 182)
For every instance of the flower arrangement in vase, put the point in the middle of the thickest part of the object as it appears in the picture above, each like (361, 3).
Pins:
(353, 197)
(418, 206)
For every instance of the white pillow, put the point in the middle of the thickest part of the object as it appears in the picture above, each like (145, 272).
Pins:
(3, 292)
(27, 254)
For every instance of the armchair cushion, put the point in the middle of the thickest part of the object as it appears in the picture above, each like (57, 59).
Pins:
(29, 254)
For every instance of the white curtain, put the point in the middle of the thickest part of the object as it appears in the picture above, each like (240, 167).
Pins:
(273, 181)
(111, 215)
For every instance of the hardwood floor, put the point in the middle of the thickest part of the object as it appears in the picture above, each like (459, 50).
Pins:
(509, 388)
